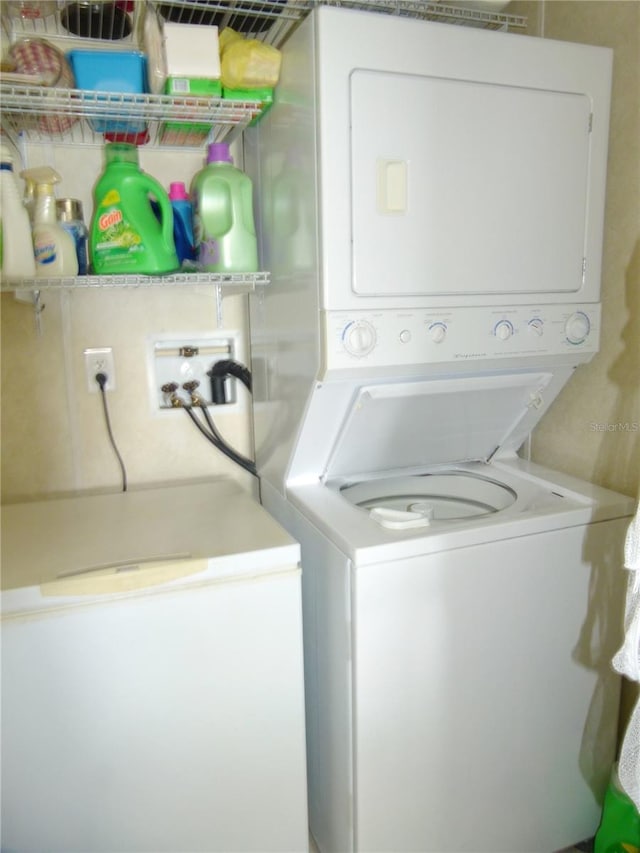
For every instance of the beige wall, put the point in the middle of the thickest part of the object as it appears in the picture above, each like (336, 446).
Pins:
(606, 392)
(54, 438)
(593, 428)
(53, 434)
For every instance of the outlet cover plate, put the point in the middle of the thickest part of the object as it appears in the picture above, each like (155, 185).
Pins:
(99, 360)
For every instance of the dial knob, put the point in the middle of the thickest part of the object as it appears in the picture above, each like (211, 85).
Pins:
(503, 330)
(577, 328)
(359, 338)
(437, 332)
(536, 327)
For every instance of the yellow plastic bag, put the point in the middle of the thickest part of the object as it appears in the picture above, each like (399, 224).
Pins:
(227, 37)
(248, 63)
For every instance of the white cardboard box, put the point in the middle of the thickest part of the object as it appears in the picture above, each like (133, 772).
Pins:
(191, 50)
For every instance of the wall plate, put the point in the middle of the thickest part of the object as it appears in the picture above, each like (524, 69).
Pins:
(183, 359)
(99, 360)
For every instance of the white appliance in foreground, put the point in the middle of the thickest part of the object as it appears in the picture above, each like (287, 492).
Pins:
(431, 203)
(152, 684)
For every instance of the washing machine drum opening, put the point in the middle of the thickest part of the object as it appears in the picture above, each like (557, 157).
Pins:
(450, 496)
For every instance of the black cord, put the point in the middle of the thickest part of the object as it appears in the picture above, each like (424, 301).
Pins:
(219, 372)
(216, 439)
(240, 459)
(101, 379)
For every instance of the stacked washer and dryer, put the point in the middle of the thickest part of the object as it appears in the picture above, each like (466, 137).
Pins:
(431, 207)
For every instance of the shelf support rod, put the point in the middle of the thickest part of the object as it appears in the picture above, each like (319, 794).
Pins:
(38, 308)
(219, 298)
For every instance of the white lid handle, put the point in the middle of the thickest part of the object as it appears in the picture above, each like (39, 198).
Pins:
(123, 577)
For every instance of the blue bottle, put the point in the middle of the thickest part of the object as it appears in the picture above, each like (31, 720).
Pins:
(69, 212)
(182, 222)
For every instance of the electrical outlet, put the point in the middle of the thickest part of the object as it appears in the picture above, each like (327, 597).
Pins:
(99, 360)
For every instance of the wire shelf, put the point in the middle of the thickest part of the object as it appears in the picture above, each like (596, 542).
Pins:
(117, 24)
(433, 11)
(46, 114)
(230, 282)
(74, 116)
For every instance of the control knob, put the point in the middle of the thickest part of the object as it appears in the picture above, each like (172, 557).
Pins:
(359, 338)
(577, 328)
(536, 327)
(437, 332)
(503, 330)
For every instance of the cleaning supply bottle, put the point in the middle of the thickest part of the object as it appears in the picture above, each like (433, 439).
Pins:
(29, 198)
(126, 236)
(182, 221)
(54, 249)
(17, 248)
(224, 229)
(69, 212)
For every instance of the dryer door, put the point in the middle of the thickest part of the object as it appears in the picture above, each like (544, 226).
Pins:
(466, 188)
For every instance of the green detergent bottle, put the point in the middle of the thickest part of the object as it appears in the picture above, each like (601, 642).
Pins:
(619, 830)
(126, 235)
(224, 230)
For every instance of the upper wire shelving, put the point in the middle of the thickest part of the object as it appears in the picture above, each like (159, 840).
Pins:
(39, 114)
(46, 114)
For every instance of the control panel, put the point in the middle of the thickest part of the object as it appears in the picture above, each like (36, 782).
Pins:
(401, 337)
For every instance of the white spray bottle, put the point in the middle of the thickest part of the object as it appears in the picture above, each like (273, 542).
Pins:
(54, 248)
(17, 248)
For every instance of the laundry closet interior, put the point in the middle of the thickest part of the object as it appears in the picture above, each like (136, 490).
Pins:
(437, 287)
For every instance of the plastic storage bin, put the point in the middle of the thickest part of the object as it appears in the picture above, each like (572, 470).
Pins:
(111, 71)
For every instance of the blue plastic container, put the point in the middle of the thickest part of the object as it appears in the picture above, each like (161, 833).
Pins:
(111, 71)
(182, 222)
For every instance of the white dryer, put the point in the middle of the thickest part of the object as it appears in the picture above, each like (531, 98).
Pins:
(431, 201)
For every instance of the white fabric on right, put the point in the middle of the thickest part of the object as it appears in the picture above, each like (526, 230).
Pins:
(627, 662)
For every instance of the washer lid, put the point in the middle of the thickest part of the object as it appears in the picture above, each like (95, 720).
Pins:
(415, 424)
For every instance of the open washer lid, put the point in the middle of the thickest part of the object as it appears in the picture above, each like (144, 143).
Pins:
(424, 423)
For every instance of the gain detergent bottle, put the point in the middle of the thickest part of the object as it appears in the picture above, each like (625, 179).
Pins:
(126, 236)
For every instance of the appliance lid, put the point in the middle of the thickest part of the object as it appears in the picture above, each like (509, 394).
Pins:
(126, 541)
(415, 424)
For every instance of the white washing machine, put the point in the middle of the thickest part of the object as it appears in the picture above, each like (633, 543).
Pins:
(431, 201)
(459, 622)
(459, 618)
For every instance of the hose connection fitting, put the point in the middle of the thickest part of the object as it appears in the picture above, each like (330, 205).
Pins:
(191, 389)
(169, 390)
